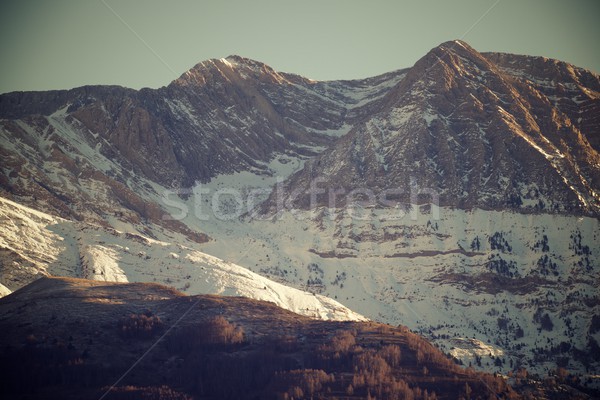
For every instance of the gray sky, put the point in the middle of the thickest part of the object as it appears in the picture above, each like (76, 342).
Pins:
(62, 44)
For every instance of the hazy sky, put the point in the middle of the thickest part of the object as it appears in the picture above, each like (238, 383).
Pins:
(62, 44)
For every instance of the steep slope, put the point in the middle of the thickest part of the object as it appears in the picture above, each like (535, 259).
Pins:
(574, 91)
(84, 339)
(522, 285)
(460, 129)
(56, 165)
(96, 153)
(34, 245)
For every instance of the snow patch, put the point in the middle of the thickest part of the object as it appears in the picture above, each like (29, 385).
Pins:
(102, 264)
(4, 291)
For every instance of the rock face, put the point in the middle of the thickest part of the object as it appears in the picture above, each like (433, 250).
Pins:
(574, 91)
(480, 130)
(219, 117)
(489, 131)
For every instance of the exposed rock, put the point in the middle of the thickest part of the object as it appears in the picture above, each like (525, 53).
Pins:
(473, 133)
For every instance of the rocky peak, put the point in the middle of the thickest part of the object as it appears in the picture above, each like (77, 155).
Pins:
(465, 128)
(455, 56)
(246, 63)
(233, 69)
(220, 117)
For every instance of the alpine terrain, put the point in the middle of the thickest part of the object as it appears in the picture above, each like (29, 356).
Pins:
(210, 347)
(459, 198)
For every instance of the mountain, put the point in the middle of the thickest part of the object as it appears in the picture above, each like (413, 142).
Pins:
(478, 134)
(70, 338)
(97, 152)
(472, 213)
(458, 197)
(466, 204)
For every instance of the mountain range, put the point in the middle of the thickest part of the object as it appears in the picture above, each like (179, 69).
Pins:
(459, 197)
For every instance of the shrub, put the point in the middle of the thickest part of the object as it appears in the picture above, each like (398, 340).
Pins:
(391, 354)
(216, 331)
(220, 331)
(546, 322)
(307, 381)
(140, 326)
(147, 393)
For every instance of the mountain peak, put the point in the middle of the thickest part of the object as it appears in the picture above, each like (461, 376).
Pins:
(443, 123)
(460, 196)
(226, 68)
(454, 48)
(246, 63)
(450, 44)
(234, 58)
(449, 60)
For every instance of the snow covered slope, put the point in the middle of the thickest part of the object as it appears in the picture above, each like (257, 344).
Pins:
(499, 290)
(36, 244)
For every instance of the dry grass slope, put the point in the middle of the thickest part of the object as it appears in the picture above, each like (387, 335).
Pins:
(72, 338)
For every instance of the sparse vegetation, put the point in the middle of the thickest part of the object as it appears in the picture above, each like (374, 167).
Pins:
(147, 393)
(502, 267)
(594, 325)
(216, 331)
(140, 326)
(543, 319)
(499, 242)
(546, 266)
(476, 244)
(231, 348)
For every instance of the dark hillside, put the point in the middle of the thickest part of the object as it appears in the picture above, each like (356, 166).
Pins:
(70, 338)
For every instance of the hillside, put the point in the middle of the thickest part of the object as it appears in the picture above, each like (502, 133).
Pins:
(71, 338)
(34, 244)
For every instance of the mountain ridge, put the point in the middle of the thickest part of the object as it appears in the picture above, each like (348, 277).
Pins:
(451, 87)
(507, 143)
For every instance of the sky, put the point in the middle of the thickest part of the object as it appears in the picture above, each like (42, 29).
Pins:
(62, 44)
